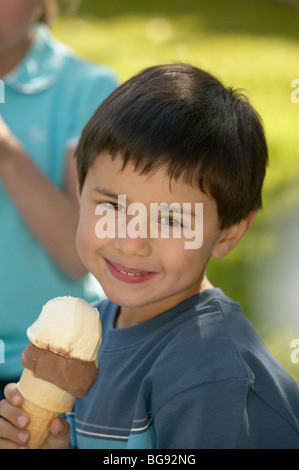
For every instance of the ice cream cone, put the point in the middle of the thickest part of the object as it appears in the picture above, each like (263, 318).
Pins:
(39, 425)
(60, 362)
(43, 402)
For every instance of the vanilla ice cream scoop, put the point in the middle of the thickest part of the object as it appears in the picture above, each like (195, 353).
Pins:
(68, 326)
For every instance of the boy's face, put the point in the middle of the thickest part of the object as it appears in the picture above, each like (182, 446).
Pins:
(144, 275)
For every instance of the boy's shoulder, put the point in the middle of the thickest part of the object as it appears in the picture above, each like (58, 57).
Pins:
(206, 337)
(200, 345)
(198, 328)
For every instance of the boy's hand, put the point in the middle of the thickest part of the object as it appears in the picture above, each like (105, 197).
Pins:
(14, 420)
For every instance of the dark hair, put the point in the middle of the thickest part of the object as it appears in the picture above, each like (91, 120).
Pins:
(180, 118)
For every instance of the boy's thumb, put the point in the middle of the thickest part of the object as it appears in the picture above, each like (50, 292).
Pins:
(59, 427)
(59, 434)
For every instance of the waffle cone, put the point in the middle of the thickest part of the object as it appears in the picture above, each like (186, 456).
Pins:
(43, 402)
(39, 425)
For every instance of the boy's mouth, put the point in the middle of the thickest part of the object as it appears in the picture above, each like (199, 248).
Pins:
(130, 275)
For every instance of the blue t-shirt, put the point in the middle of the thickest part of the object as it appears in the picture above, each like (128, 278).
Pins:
(49, 98)
(195, 376)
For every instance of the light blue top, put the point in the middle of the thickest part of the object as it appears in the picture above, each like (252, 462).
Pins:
(49, 98)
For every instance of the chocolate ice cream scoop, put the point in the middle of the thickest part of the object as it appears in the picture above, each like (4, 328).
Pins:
(72, 375)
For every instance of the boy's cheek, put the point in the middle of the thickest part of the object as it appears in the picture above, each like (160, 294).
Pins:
(79, 244)
(84, 240)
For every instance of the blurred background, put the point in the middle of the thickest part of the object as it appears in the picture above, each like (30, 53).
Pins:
(248, 44)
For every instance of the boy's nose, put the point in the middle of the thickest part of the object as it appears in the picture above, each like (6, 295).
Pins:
(133, 245)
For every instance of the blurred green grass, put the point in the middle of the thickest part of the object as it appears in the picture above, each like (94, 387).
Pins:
(248, 44)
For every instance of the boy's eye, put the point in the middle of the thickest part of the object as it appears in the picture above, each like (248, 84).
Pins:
(171, 221)
(113, 206)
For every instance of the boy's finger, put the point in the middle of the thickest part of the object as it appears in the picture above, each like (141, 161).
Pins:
(13, 414)
(13, 395)
(59, 427)
(11, 434)
(4, 444)
(59, 437)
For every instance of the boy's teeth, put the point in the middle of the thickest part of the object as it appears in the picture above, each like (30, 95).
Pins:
(129, 274)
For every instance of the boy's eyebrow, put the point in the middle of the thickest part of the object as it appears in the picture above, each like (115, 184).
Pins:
(177, 210)
(183, 209)
(106, 192)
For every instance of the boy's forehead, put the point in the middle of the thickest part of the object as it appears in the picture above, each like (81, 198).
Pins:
(109, 174)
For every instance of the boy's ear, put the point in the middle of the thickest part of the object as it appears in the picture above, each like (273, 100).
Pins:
(231, 236)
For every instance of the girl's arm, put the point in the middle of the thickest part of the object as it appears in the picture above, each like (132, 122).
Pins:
(51, 214)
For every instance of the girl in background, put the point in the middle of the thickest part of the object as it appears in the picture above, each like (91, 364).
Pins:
(50, 94)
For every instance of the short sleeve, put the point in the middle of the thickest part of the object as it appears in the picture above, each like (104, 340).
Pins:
(209, 416)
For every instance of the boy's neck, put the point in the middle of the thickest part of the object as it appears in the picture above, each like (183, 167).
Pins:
(127, 316)
(11, 57)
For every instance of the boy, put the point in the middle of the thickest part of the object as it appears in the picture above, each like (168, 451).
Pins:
(180, 365)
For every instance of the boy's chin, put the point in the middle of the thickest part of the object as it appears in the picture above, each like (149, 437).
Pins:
(125, 300)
